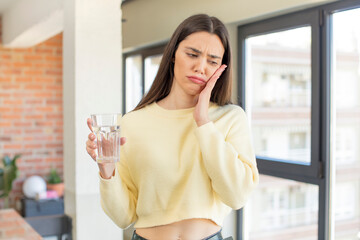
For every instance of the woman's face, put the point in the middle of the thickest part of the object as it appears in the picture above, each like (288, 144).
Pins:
(196, 59)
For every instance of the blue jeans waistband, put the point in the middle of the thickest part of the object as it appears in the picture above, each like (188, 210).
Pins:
(215, 236)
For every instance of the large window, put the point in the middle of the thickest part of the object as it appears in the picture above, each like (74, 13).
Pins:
(140, 68)
(345, 128)
(278, 80)
(282, 208)
(299, 82)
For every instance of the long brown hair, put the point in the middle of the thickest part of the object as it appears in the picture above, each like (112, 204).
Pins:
(221, 94)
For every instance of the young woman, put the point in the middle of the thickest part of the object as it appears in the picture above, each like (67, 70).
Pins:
(188, 157)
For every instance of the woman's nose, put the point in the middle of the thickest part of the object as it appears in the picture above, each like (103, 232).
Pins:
(200, 66)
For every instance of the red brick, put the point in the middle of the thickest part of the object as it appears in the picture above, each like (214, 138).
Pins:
(44, 123)
(54, 102)
(57, 72)
(18, 109)
(28, 138)
(12, 146)
(4, 95)
(22, 124)
(54, 116)
(11, 72)
(33, 72)
(5, 79)
(43, 94)
(54, 145)
(4, 109)
(14, 131)
(37, 117)
(53, 44)
(11, 116)
(53, 58)
(32, 131)
(44, 79)
(5, 139)
(34, 86)
(5, 56)
(54, 159)
(23, 79)
(53, 87)
(22, 94)
(22, 64)
(44, 138)
(5, 124)
(16, 101)
(34, 101)
(22, 50)
(44, 109)
(44, 50)
(33, 145)
(34, 160)
(10, 86)
(33, 57)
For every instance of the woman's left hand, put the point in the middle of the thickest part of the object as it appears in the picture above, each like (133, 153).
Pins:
(201, 115)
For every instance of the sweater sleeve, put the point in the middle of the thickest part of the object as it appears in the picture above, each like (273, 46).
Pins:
(119, 195)
(229, 160)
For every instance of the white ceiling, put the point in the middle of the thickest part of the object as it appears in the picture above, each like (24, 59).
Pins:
(4, 4)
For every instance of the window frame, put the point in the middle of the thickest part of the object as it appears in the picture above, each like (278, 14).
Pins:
(271, 166)
(144, 53)
(320, 100)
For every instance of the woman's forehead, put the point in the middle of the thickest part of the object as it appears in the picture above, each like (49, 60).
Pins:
(204, 42)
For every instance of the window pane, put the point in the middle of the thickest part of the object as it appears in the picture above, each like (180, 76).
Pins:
(133, 91)
(278, 93)
(152, 64)
(346, 123)
(281, 210)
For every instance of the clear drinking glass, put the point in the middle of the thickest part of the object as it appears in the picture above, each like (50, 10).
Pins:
(106, 127)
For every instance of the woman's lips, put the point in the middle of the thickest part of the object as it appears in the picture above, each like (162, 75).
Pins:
(196, 80)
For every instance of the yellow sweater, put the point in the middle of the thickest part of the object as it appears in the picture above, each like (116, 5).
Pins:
(171, 170)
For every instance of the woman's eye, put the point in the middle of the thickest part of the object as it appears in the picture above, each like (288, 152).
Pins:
(191, 55)
(213, 63)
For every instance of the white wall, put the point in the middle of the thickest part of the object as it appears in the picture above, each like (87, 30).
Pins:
(154, 21)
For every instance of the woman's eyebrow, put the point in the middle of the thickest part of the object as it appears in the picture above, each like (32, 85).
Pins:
(198, 51)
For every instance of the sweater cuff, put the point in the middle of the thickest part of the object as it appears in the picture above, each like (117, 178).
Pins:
(106, 183)
(205, 129)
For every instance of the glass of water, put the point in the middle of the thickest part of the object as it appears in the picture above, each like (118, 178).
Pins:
(106, 127)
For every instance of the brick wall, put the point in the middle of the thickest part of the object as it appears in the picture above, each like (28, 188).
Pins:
(31, 120)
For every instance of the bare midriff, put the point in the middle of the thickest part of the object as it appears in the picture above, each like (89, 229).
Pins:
(189, 229)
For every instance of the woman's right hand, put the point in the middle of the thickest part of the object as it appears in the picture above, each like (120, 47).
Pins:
(106, 169)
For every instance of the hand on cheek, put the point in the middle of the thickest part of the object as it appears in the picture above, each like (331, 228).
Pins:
(201, 109)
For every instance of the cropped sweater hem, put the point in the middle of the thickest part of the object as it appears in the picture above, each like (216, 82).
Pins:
(158, 218)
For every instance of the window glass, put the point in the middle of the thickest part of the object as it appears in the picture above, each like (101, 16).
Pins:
(282, 209)
(152, 64)
(346, 123)
(278, 93)
(133, 84)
